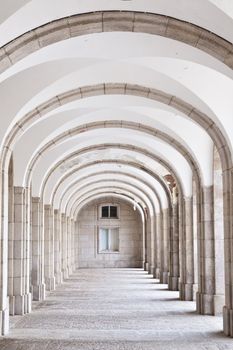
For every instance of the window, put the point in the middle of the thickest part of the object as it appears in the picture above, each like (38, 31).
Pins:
(109, 212)
(108, 240)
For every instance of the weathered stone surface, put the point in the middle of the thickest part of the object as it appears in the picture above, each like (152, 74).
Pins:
(98, 22)
(120, 21)
(159, 96)
(183, 31)
(22, 46)
(137, 90)
(89, 91)
(148, 23)
(4, 61)
(214, 45)
(70, 96)
(85, 24)
(53, 32)
(114, 89)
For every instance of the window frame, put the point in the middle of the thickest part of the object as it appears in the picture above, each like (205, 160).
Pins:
(109, 205)
(98, 242)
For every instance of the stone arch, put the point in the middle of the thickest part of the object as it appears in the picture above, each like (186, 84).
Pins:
(222, 146)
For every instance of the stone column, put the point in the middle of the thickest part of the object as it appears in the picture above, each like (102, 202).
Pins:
(27, 240)
(69, 238)
(11, 241)
(57, 247)
(73, 245)
(187, 272)
(49, 248)
(196, 235)
(76, 244)
(148, 244)
(21, 294)
(4, 300)
(219, 297)
(208, 301)
(228, 248)
(152, 246)
(164, 247)
(145, 248)
(38, 285)
(64, 247)
(159, 220)
(173, 280)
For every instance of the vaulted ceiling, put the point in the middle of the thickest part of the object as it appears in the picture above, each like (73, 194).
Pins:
(111, 96)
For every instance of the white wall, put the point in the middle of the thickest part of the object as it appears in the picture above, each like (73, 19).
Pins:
(130, 237)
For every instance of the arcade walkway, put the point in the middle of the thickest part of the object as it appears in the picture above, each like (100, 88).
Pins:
(114, 309)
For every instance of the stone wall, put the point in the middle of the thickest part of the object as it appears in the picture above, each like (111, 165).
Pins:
(130, 237)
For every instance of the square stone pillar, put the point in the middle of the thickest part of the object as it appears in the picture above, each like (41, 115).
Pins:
(57, 247)
(69, 254)
(208, 301)
(11, 244)
(4, 300)
(157, 270)
(76, 244)
(165, 247)
(173, 280)
(49, 248)
(22, 298)
(152, 246)
(65, 273)
(148, 244)
(38, 285)
(228, 251)
(158, 230)
(27, 251)
(145, 245)
(73, 267)
(187, 250)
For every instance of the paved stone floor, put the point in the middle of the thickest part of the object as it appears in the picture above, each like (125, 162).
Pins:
(106, 309)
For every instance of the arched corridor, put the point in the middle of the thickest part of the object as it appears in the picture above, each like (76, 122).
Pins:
(91, 311)
(116, 145)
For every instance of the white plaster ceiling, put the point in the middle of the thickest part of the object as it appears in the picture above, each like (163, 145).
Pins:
(132, 58)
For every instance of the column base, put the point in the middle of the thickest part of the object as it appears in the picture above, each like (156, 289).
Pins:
(146, 266)
(12, 305)
(154, 272)
(173, 283)
(157, 273)
(186, 291)
(151, 270)
(22, 304)
(228, 321)
(27, 303)
(70, 270)
(65, 274)
(50, 284)
(58, 278)
(209, 304)
(4, 320)
(38, 292)
(164, 277)
(74, 267)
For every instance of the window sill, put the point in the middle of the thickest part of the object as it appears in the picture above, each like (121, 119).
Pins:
(101, 218)
(108, 252)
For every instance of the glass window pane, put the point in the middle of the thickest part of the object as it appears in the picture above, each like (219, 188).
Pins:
(103, 239)
(114, 239)
(105, 212)
(113, 212)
